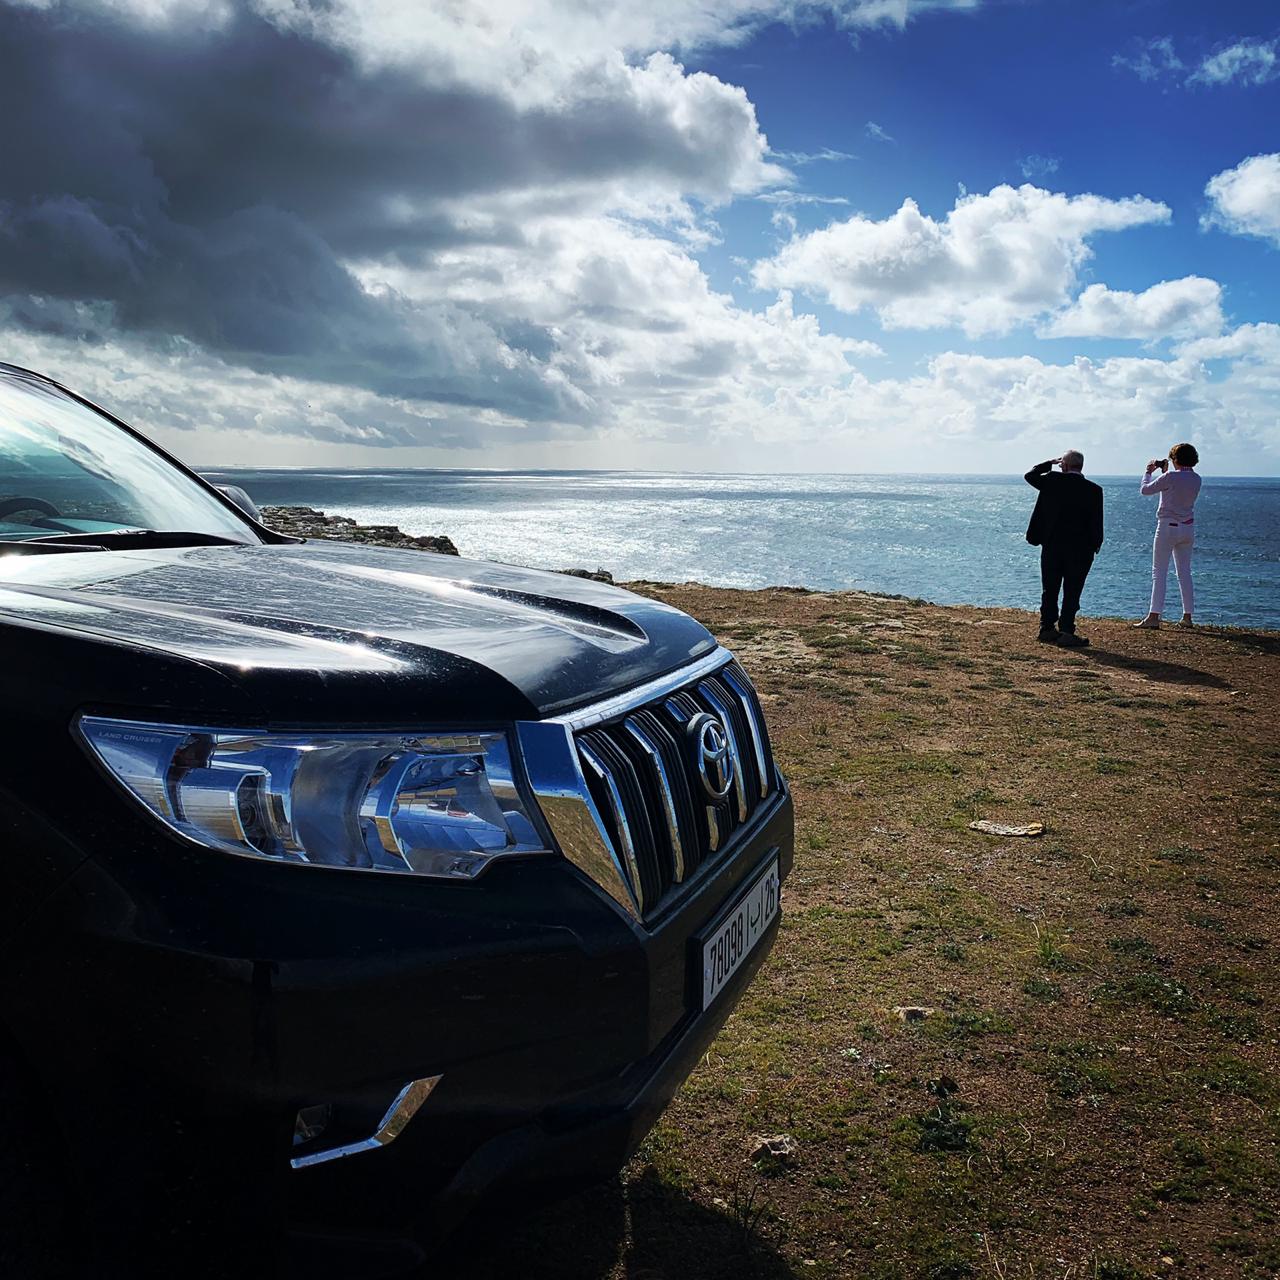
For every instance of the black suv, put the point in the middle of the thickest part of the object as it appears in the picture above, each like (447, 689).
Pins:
(340, 887)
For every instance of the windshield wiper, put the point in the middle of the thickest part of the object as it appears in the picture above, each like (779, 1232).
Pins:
(122, 538)
(31, 546)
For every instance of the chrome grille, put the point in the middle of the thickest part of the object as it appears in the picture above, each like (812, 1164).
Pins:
(642, 772)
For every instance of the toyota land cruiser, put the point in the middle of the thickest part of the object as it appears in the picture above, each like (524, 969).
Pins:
(341, 886)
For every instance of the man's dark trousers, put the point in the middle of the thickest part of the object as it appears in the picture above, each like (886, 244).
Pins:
(1063, 568)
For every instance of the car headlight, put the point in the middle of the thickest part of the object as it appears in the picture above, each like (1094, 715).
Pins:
(432, 804)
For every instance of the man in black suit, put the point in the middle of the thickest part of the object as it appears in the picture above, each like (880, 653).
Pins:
(1067, 527)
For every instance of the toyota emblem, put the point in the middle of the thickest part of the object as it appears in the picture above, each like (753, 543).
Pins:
(711, 750)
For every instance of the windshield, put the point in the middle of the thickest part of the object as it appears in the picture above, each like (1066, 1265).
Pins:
(65, 469)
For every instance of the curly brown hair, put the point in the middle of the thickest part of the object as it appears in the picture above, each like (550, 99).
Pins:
(1184, 455)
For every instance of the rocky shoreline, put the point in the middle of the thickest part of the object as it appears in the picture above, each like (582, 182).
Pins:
(307, 522)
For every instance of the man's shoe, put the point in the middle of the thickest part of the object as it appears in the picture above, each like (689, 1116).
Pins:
(1150, 623)
(1069, 640)
(1048, 635)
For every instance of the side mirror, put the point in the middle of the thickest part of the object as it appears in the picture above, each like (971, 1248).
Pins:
(241, 499)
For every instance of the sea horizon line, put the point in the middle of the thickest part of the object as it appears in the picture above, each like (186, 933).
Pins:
(203, 468)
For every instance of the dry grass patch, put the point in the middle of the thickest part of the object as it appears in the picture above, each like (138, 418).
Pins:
(1094, 1093)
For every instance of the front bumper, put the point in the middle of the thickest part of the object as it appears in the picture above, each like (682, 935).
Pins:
(570, 1109)
(589, 1139)
(208, 999)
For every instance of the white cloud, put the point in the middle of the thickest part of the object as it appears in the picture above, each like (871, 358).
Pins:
(637, 328)
(1184, 308)
(812, 157)
(896, 13)
(470, 31)
(1038, 166)
(1248, 62)
(1152, 60)
(995, 261)
(786, 199)
(1246, 200)
(877, 134)
(1257, 343)
(973, 408)
(530, 44)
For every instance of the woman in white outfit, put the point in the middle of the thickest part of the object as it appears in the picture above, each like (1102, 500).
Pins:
(1175, 528)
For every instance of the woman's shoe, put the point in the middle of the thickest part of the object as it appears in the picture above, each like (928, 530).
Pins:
(1150, 623)
(1186, 621)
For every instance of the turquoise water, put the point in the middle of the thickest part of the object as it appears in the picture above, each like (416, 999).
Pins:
(951, 539)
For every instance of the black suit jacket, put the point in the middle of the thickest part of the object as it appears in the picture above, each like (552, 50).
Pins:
(1068, 510)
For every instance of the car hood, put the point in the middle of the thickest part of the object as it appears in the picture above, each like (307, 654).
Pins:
(336, 631)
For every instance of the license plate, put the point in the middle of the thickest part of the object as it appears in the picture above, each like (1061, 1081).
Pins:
(738, 933)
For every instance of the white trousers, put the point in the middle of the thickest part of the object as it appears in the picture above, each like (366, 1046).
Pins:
(1176, 542)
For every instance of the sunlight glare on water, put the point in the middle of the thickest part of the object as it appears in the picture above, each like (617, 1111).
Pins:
(952, 539)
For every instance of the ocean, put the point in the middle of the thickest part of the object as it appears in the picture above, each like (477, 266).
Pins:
(946, 538)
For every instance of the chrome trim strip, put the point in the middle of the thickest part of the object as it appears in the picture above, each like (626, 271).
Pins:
(403, 1108)
(605, 774)
(551, 761)
(668, 797)
(735, 752)
(653, 691)
(757, 737)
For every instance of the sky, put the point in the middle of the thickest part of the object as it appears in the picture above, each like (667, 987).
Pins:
(755, 235)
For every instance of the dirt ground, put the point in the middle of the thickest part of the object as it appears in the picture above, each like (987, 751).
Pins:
(1086, 1084)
